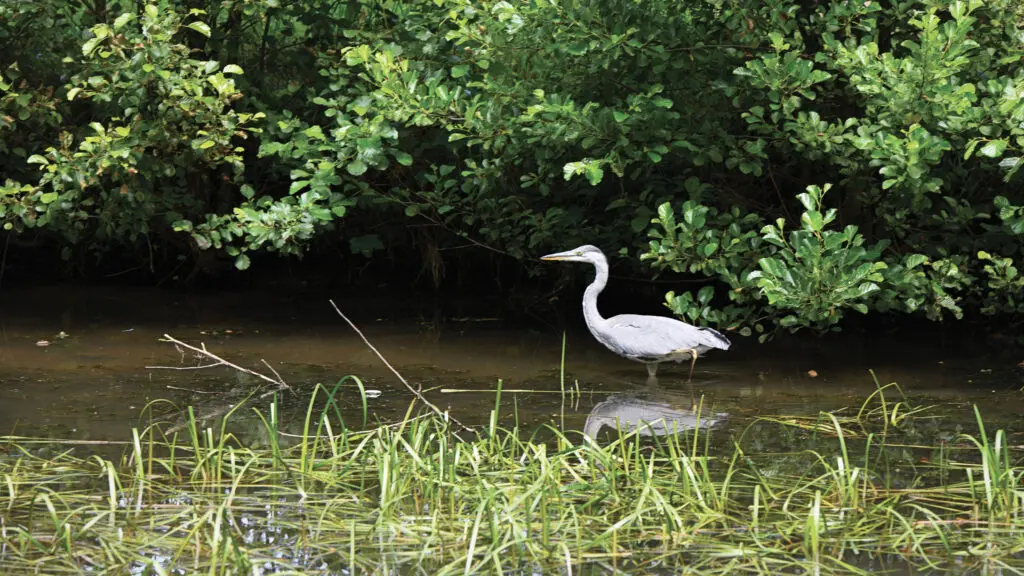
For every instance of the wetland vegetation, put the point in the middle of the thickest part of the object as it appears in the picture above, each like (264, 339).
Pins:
(882, 486)
(778, 170)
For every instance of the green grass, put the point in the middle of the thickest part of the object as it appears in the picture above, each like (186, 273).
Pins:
(415, 497)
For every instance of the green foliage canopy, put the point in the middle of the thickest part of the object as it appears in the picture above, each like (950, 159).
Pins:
(808, 159)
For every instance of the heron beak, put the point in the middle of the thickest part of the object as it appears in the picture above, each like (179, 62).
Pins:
(559, 256)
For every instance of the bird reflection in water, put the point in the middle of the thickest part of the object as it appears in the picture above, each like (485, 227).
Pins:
(651, 413)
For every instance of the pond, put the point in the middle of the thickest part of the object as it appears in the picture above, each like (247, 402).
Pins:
(768, 444)
(73, 364)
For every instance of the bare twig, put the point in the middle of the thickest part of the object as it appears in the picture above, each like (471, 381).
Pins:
(192, 390)
(267, 364)
(200, 367)
(416, 391)
(218, 361)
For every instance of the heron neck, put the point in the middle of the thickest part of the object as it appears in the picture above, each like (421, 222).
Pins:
(590, 313)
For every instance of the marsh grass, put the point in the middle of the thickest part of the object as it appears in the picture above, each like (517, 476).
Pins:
(412, 497)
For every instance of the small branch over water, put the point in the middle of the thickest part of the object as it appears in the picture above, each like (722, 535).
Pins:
(416, 391)
(277, 381)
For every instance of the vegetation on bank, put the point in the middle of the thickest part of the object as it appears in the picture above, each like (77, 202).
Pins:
(846, 492)
(700, 140)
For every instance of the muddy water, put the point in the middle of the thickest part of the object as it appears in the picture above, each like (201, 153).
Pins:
(96, 372)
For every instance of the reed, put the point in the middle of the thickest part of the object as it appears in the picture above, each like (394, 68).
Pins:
(413, 496)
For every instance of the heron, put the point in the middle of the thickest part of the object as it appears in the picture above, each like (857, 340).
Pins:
(647, 339)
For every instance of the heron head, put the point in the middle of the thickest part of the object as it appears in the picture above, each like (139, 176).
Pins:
(585, 253)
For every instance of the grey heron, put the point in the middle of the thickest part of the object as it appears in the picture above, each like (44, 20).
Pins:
(648, 339)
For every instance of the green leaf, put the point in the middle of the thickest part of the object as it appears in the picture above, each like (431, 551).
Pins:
(970, 148)
(322, 214)
(37, 159)
(90, 45)
(861, 290)
(808, 201)
(705, 294)
(200, 27)
(123, 19)
(356, 167)
(639, 222)
(774, 267)
(813, 220)
(620, 116)
(915, 260)
(233, 69)
(242, 262)
(48, 197)
(403, 158)
(314, 132)
(993, 149)
(577, 48)
(460, 70)
(666, 215)
(790, 320)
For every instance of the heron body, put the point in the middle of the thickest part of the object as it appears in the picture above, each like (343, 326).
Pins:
(648, 339)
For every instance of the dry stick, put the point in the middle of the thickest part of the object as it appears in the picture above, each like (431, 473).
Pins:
(416, 391)
(279, 383)
(218, 361)
(503, 391)
(192, 390)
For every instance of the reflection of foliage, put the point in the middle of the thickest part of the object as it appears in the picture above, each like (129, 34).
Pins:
(525, 127)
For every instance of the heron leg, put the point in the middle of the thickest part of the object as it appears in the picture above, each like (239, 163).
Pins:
(652, 369)
(693, 362)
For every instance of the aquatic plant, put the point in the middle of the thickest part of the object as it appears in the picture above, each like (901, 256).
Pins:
(412, 496)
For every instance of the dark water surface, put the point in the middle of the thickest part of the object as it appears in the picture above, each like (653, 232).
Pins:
(91, 381)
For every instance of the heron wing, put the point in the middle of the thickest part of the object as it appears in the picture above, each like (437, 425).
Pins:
(654, 337)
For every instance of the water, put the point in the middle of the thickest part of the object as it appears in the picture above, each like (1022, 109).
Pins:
(91, 381)
(94, 376)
